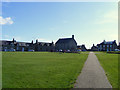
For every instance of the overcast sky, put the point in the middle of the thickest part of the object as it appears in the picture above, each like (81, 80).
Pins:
(90, 22)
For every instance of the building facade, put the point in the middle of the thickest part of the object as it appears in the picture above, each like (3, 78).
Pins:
(82, 47)
(63, 44)
(118, 47)
(107, 46)
(66, 44)
(25, 46)
(94, 48)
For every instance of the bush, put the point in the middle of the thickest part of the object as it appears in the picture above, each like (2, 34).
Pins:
(114, 52)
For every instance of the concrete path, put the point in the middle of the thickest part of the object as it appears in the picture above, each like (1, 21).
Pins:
(92, 75)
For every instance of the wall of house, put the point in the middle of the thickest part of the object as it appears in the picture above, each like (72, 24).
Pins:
(107, 47)
(66, 46)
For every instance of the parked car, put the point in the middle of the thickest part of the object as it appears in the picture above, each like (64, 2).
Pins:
(31, 50)
(117, 50)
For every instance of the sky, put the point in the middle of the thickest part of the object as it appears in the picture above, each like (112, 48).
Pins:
(89, 22)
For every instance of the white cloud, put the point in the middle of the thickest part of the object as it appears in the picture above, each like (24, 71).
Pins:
(109, 17)
(4, 21)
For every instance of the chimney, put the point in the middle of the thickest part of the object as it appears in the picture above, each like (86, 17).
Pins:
(13, 39)
(32, 42)
(73, 36)
(36, 40)
(52, 42)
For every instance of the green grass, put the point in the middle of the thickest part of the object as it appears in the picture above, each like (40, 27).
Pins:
(110, 64)
(41, 69)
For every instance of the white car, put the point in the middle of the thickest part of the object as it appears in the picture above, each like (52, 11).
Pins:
(31, 50)
(117, 50)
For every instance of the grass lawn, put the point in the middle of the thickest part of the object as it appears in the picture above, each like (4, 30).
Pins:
(41, 69)
(110, 64)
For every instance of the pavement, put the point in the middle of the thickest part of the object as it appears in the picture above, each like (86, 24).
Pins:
(92, 74)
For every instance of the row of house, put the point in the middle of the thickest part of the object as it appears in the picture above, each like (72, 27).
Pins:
(63, 44)
(25, 46)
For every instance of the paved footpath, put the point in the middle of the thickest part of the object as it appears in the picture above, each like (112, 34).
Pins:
(92, 75)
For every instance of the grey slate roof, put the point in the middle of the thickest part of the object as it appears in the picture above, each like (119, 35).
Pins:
(65, 40)
(45, 43)
(5, 42)
(21, 43)
(108, 42)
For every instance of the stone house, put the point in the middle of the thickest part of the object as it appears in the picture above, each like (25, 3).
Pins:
(66, 44)
(43, 46)
(25, 46)
(94, 48)
(107, 46)
(82, 47)
(118, 47)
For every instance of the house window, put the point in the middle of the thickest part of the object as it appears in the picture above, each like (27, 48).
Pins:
(5, 49)
(110, 49)
(17, 48)
(110, 45)
(27, 44)
(107, 45)
(23, 49)
(12, 44)
(103, 45)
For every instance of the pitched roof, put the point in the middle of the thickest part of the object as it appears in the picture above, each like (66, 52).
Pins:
(22, 43)
(45, 43)
(65, 40)
(107, 42)
(5, 42)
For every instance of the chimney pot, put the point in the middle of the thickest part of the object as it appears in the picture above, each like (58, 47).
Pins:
(73, 36)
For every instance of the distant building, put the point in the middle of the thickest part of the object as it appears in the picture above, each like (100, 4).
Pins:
(118, 47)
(63, 44)
(43, 46)
(66, 44)
(25, 46)
(94, 48)
(107, 46)
(82, 47)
